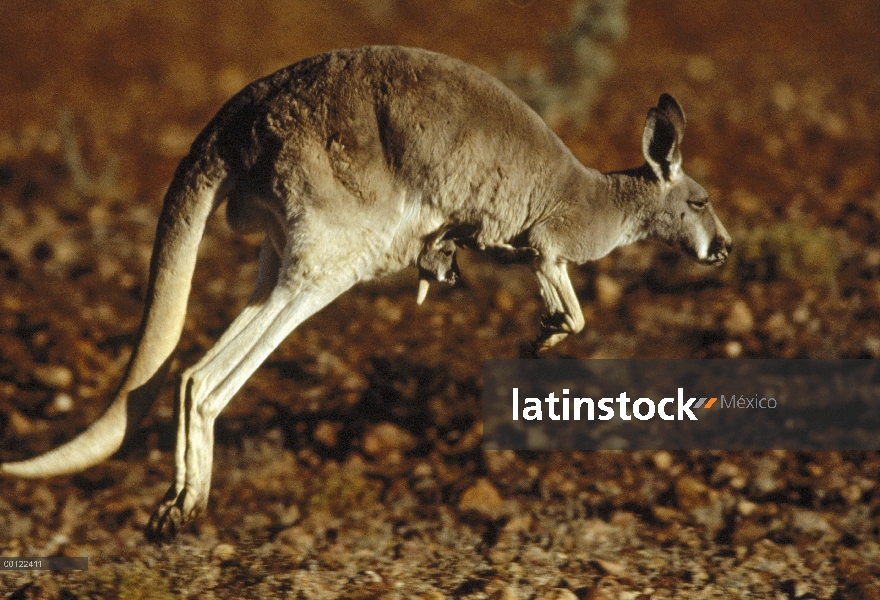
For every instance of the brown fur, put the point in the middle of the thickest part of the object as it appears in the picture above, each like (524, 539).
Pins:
(356, 164)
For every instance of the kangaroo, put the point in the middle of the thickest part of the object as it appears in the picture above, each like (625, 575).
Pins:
(436, 261)
(356, 164)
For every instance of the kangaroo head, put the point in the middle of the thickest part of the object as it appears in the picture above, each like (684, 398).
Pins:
(683, 216)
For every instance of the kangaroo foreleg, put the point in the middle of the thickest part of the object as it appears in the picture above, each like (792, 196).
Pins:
(506, 254)
(564, 315)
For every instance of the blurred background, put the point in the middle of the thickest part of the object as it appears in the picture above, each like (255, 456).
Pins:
(101, 99)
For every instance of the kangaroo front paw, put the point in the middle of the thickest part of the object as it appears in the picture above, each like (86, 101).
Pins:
(170, 517)
(554, 329)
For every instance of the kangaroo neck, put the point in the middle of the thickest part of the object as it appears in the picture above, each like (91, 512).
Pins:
(595, 214)
(631, 192)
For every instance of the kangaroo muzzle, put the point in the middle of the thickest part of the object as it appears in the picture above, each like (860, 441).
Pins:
(719, 250)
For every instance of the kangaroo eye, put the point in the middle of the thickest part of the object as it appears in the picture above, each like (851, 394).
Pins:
(699, 204)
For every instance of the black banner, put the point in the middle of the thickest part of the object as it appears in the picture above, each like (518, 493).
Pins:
(681, 404)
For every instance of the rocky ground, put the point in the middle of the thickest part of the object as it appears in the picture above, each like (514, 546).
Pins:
(350, 465)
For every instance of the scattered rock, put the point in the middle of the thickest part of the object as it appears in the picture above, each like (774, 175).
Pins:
(504, 301)
(777, 327)
(223, 552)
(739, 319)
(385, 438)
(610, 567)
(506, 593)
(692, 493)
(666, 514)
(810, 522)
(607, 589)
(326, 433)
(19, 424)
(53, 376)
(483, 499)
(746, 508)
(749, 532)
(289, 515)
(608, 291)
(663, 460)
(557, 594)
(296, 538)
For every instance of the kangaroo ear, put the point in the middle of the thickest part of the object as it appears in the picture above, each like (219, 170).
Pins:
(661, 140)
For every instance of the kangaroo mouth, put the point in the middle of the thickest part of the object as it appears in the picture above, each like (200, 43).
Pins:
(717, 259)
(717, 252)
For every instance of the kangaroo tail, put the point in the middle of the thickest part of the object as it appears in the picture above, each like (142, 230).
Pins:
(199, 185)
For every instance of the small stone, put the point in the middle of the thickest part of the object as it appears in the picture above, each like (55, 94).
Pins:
(801, 314)
(504, 301)
(500, 461)
(663, 460)
(748, 532)
(608, 589)
(386, 438)
(666, 514)
(296, 538)
(19, 424)
(851, 493)
(505, 593)
(289, 515)
(810, 522)
(53, 376)
(372, 577)
(387, 310)
(519, 524)
(223, 552)
(557, 594)
(777, 327)
(724, 472)
(422, 470)
(610, 567)
(692, 493)
(784, 96)
(326, 433)
(739, 320)
(608, 291)
(871, 345)
(61, 404)
(733, 349)
(481, 498)
(746, 508)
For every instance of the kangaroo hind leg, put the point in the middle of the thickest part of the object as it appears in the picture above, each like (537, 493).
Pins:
(266, 282)
(279, 304)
